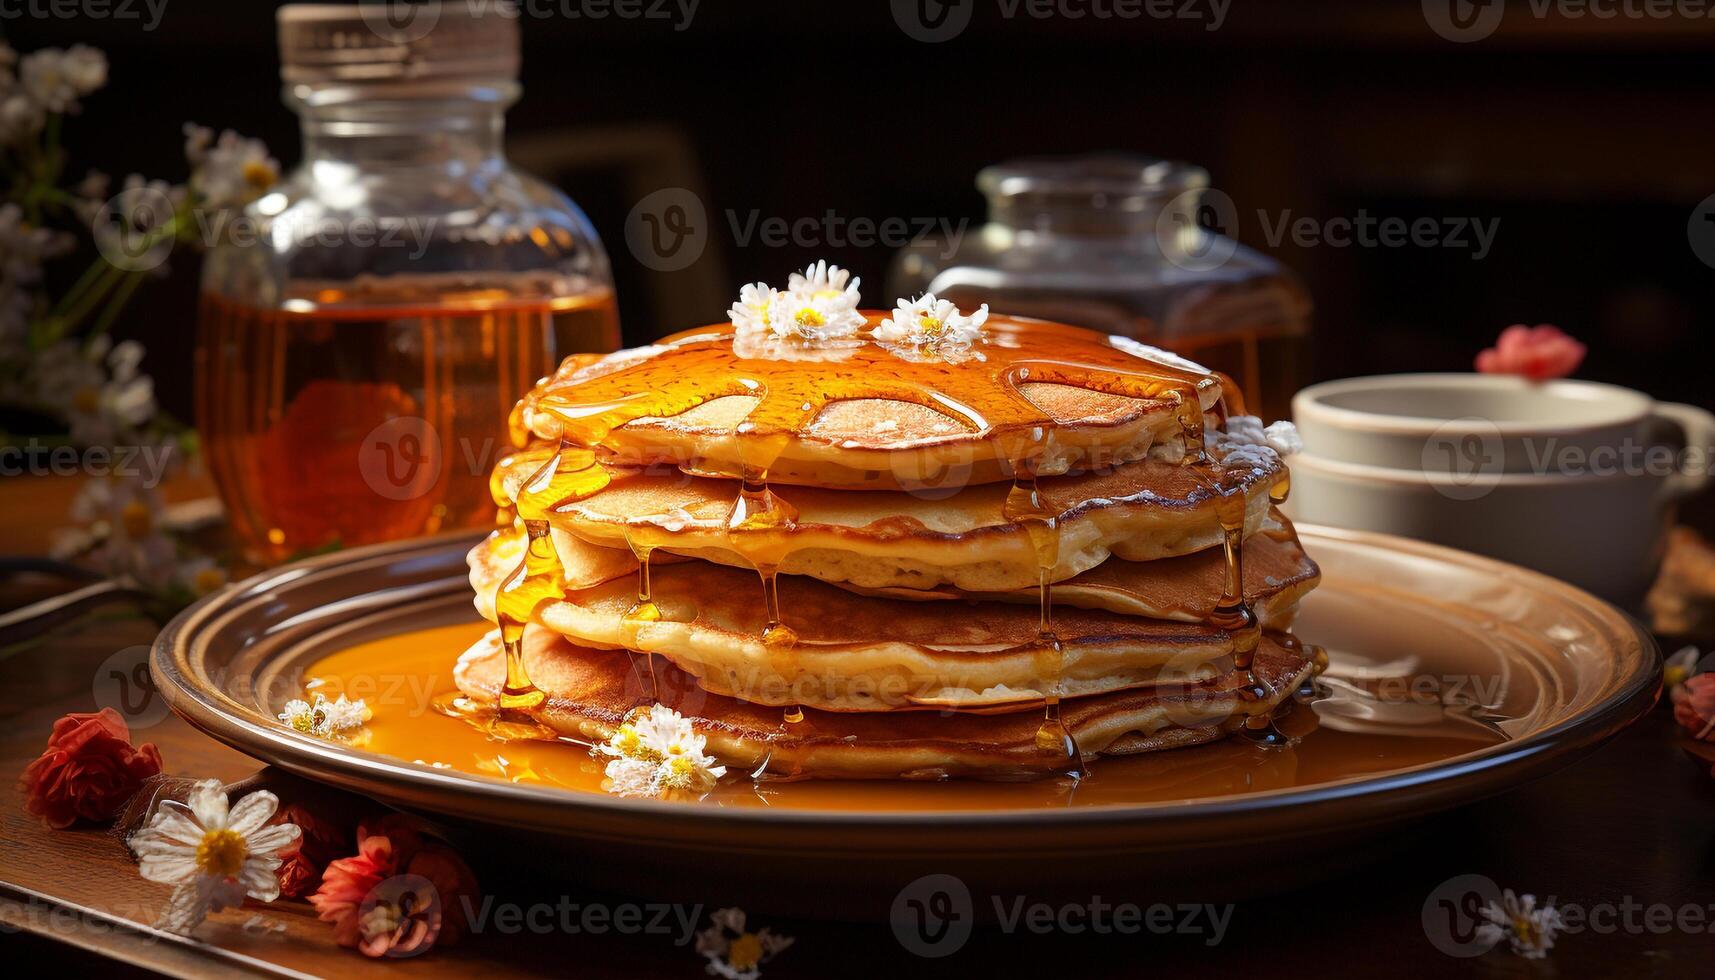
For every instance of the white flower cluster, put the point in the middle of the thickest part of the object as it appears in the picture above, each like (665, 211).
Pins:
(228, 172)
(817, 305)
(1528, 929)
(733, 951)
(657, 755)
(49, 81)
(818, 309)
(931, 325)
(324, 718)
(1247, 442)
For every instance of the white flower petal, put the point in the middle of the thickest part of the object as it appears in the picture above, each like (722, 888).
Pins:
(269, 840)
(208, 802)
(186, 908)
(252, 812)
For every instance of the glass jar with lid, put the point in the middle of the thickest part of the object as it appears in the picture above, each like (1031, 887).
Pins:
(1124, 245)
(368, 323)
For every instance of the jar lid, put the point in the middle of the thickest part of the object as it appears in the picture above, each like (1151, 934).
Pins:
(381, 41)
(1102, 181)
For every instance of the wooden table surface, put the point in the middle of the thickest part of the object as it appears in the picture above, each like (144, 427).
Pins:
(1633, 826)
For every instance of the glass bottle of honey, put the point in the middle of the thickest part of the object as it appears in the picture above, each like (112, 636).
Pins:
(1128, 246)
(368, 322)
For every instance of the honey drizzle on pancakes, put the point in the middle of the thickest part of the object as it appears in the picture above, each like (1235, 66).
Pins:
(582, 406)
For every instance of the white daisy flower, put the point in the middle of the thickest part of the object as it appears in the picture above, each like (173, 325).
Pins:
(124, 521)
(1527, 929)
(233, 172)
(323, 718)
(21, 117)
(214, 857)
(632, 778)
(750, 314)
(824, 281)
(818, 305)
(933, 323)
(814, 316)
(659, 753)
(56, 78)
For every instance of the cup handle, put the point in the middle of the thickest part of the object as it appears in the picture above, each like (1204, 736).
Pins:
(1699, 426)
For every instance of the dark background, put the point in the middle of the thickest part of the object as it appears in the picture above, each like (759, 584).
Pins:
(1590, 140)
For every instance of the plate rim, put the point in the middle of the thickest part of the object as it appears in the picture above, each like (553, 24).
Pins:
(1436, 783)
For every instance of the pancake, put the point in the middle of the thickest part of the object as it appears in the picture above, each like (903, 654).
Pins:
(590, 691)
(1184, 588)
(1140, 511)
(865, 653)
(856, 414)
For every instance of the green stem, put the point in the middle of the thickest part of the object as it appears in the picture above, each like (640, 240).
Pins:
(120, 297)
(58, 326)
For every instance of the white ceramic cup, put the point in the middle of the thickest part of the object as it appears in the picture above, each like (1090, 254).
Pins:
(1573, 478)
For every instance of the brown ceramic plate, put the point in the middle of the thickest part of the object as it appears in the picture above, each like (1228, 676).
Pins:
(1555, 672)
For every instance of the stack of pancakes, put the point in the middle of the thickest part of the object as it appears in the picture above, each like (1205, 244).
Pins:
(862, 562)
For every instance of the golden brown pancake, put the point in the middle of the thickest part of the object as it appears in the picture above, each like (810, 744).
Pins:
(857, 414)
(866, 653)
(1139, 511)
(1184, 588)
(590, 691)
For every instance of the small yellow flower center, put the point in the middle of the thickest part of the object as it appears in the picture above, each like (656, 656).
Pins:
(259, 175)
(745, 951)
(87, 400)
(207, 581)
(222, 853)
(929, 325)
(136, 519)
(1525, 930)
(809, 317)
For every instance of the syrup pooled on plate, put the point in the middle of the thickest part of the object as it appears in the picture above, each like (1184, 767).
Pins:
(414, 666)
(563, 431)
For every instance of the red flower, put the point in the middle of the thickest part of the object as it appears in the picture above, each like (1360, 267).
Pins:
(301, 867)
(1694, 705)
(88, 770)
(1539, 353)
(399, 895)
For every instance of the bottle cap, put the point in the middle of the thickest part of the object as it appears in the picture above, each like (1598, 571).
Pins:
(386, 42)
